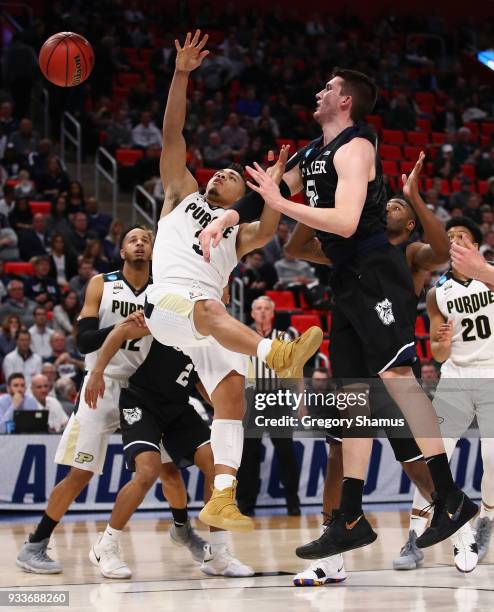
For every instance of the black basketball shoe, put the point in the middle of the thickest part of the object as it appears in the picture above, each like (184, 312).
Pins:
(339, 536)
(450, 514)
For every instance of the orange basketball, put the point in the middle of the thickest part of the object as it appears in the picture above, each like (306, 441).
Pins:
(66, 59)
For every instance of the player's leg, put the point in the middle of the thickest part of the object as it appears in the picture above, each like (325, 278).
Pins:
(289, 472)
(181, 531)
(83, 447)
(217, 558)
(248, 475)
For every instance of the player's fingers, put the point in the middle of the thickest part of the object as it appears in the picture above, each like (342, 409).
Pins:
(270, 156)
(404, 179)
(253, 187)
(102, 391)
(177, 45)
(254, 173)
(195, 40)
(187, 40)
(203, 54)
(217, 239)
(259, 168)
(204, 40)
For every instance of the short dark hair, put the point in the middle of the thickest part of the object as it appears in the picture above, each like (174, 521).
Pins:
(240, 169)
(21, 331)
(471, 226)
(256, 252)
(321, 371)
(362, 89)
(39, 308)
(129, 229)
(15, 375)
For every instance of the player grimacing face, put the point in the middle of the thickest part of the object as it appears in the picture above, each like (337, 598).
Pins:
(137, 246)
(330, 101)
(224, 188)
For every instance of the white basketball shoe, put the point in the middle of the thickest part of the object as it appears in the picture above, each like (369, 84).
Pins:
(322, 571)
(465, 550)
(223, 563)
(108, 557)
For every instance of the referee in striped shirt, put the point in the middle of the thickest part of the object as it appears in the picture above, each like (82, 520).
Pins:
(248, 477)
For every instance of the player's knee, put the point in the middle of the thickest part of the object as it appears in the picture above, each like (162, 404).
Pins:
(170, 474)
(147, 471)
(79, 477)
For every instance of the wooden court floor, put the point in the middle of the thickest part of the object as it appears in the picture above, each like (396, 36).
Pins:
(165, 578)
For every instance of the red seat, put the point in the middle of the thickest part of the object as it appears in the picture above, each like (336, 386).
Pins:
(469, 170)
(375, 121)
(418, 138)
(129, 79)
(324, 348)
(40, 207)
(423, 348)
(286, 141)
(420, 329)
(131, 53)
(424, 125)
(128, 157)
(389, 167)
(283, 300)
(438, 137)
(19, 268)
(487, 128)
(445, 188)
(203, 175)
(302, 322)
(482, 187)
(407, 166)
(393, 137)
(411, 153)
(425, 97)
(12, 182)
(146, 55)
(303, 143)
(387, 151)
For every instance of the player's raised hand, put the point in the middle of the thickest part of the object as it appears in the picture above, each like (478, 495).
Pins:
(411, 182)
(277, 170)
(95, 388)
(190, 56)
(265, 186)
(466, 259)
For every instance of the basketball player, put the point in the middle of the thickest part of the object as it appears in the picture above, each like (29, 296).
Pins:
(159, 426)
(110, 299)
(184, 307)
(461, 313)
(373, 291)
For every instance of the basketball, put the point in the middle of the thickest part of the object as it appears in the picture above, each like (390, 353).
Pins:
(66, 59)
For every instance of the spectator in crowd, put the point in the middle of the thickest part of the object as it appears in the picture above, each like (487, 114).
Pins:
(26, 187)
(58, 221)
(460, 198)
(7, 202)
(463, 148)
(273, 124)
(25, 139)
(485, 164)
(472, 209)
(65, 314)
(41, 333)
(14, 399)
(75, 198)
(402, 115)
(8, 123)
(49, 370)
(445, 165)
(22, 359)
(146, 134)
(12, 162)
(8, 241)
(41, 287)
(297, 276)
(94, 252)
(98, 222)
(66, 363)
(266, 135)
(20, 69)
(66, 393)
(54, 179)
(217, 154)
(78, 235)
(449, 119)
(147, 166)
(10, 326)
(79, 283)
(249, 105)
(162, 66)
(320, 382)
(119, 131)
(489, 194)
(234, 136)
(273, 251)
(21, 217)
(263, 314)
(34, 241)
(257, 277)
(254, 153)
(17, 304)
(432, 199)
(38, 158)
(429, 378)
(111, 243)
(63, 263)
(40, 389)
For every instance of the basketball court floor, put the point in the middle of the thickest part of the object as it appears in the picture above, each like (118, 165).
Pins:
(166, 579)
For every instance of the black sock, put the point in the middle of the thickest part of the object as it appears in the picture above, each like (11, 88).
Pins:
(351, 497)
(180, 516)
(441, 473)
(44, 529)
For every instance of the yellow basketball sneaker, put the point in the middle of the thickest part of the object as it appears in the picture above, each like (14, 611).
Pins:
(222, 511)
(287, 359)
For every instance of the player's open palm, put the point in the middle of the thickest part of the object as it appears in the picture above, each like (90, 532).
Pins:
(190, 56)
(411, 182)
(264, 185)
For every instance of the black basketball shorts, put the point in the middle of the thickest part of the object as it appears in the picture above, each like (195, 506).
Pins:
(146, 420)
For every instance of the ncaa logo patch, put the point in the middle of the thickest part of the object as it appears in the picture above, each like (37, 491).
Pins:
(385, 311)
(132, 415)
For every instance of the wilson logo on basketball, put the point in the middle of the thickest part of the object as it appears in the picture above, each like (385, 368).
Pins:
(76, 77)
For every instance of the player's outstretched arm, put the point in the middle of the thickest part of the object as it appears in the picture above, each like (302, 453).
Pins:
(425, 256)
(303, 244)
(469, 261)
(177, 181)
(95, 386)
(441, 330)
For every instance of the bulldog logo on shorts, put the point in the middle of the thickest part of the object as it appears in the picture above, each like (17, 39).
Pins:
(132, 415)
(385, 311)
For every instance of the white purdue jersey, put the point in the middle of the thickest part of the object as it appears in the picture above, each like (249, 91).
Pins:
(177, 255)
(119, 300)
(470, 306)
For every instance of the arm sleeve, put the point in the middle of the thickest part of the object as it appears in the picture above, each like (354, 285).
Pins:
(88, 337)
(250, 206)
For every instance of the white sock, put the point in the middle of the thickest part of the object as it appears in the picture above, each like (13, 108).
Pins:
(223, 481)
(110, 535)
(218, 540)
(263, 349)
(227, 442)
(418, 524)
(486, 512)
